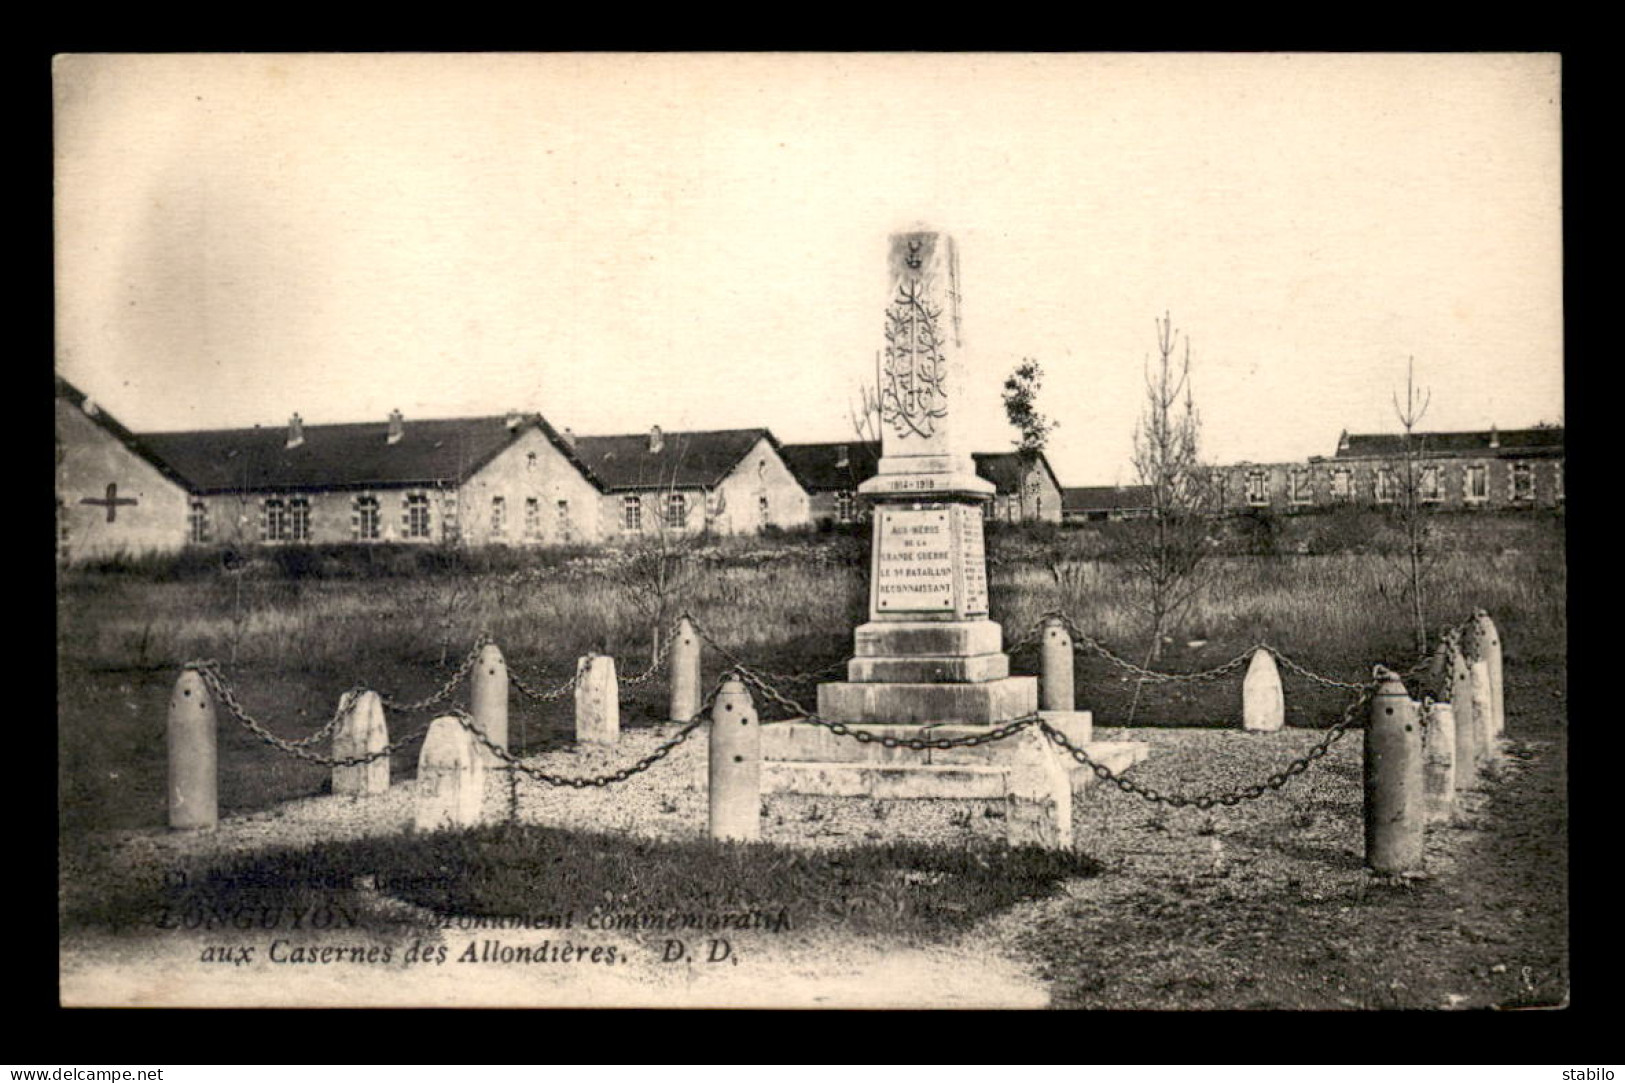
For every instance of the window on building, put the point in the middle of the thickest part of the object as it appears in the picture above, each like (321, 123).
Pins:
(1302, 493)
(275, 521)
(499, 516)
(1523, 481)
(1430, 487)
(364, 516)
(761, 507)
(845, 506)
(417, 515)
(533, 517)
(563, 515)
(676, 510)
(62, 531)
(299, 519)
(1258, 493)
(1342, 484)
(197, 520)
(1384, 483)
(631, 514)
(530, 460)
(1476, 486)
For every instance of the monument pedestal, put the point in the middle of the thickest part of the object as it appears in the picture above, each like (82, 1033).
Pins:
(929, 663)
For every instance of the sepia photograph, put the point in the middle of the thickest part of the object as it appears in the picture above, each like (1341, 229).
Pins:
(811, 530)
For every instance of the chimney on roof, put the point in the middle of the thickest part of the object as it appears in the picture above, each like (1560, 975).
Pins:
(656, 440)
(843, 459)
(397, 426)
(514, 420)
(296, 431)
(568, 436)
(1495, 436)
(89, 406)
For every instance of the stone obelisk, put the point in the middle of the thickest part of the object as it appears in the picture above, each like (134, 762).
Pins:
(929, 653)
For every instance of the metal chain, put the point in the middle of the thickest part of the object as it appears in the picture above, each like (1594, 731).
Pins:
(1229, 797)
(300, 748)
(515, 764)
(531, 692)
(444, 690)
(787, 678)
(659, 660)
(538, 695)
(1329, 682)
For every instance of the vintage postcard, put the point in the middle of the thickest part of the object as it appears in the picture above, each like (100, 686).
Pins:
(811, 530)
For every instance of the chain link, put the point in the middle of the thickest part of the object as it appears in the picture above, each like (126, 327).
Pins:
(210, 673)
(1230, 797)
(528, 690)
(444, 690)
(515, 764)
(786, 678)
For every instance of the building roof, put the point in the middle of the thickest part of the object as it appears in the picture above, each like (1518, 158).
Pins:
(83, 402)
(686, 460)
(1545, 441)
(1003, 469)
(817, 466)
(1105, 498)
(352, 455)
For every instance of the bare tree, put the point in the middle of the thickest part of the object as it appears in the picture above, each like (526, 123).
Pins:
(1166, 552)
(1418, 487)
(659, 567)
(1021, 389)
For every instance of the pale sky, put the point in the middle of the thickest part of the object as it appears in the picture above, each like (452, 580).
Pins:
(700, 241)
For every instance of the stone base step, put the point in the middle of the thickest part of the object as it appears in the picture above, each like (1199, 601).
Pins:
(885, 776)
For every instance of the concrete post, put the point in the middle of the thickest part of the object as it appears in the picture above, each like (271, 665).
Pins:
(451, 777)
(598, 701)
(194, 768)
(1484, 711)
(1395, 794)
(685, 672)
(1468, 751)
(1055, 691)
(362, 733)
(1439, 760)
(1489, 649)
(1038, 793)
(488, 699)
(736, 765)
(1263, 705)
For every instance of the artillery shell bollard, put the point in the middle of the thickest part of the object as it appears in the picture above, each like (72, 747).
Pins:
(362, 732)
(1439, 760)
(1467, 732)
(685, 672)
(194, 776)
(1038, 794)
(451, 777)
(1263, 706)
(488, 699)
(1395, 797)
(598, 701)
(1055, 690)
(1484, 711)
(1489, 649)
(735, 775)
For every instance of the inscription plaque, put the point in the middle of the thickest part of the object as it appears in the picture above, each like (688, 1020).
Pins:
(973, 561)
(914, 565)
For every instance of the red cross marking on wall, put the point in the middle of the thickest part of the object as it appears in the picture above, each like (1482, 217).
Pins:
(111, 502)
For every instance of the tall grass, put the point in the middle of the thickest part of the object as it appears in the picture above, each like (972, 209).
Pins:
(792, 598)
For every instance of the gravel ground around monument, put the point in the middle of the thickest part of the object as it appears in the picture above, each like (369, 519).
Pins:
(1263, 905)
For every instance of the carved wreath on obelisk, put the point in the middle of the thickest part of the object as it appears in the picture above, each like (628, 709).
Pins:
(913, 376)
